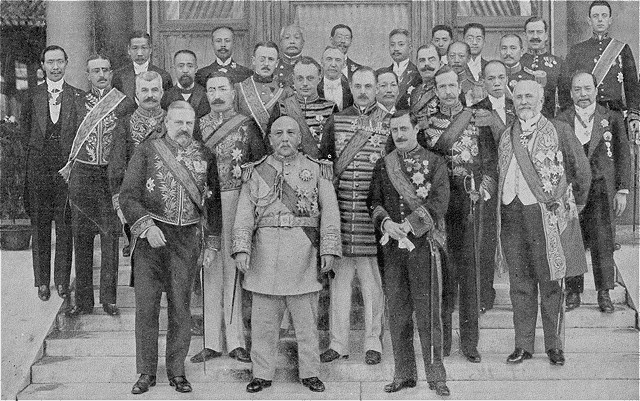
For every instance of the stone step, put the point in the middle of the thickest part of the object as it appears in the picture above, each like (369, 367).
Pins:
(496, 318)
(588, 297)
(577, 340)
(493, 367)
(462, 390)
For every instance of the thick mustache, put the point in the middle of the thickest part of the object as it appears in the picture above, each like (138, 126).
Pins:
(217, 101)
(427, 68)
(363, 97)
(401, 140)
(535, 40)
(150, 99)
(102, 80)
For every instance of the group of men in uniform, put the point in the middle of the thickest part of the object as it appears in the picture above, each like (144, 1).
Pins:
(411, 177)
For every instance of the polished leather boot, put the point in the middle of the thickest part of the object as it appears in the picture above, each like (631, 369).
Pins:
(143, 384)
(181, 384)
(518, 355)
(257, 384)
(573, 300)
(313, 384)
(399, 384)
(604, 301)
(556, 356)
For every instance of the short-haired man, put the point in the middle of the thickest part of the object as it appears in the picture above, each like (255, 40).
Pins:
(305, 106)
(185, 65)
(405, 70)
(341, 37)
(408, 198)
(334, 85)
(510, 53)
(543, 64)
(86, 171)
(235, 140)
(473, 34)
(441, 37)
(423, 101)
(611, 62)
(544, 175)
(602, 133)
(139, 49)
(48, 136)
(471, 156)
(471, 90)
(222, 38)
(144, 122)
(259, 94)
(283, 243)
(291, 45)
(354, 139)
(170, 186)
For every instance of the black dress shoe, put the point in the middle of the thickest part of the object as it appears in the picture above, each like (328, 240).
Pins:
(240, 354)
(257, 384)
(399, 384)
(331, 355)
(111, 309)
(573, 300)
(79, 310)
(519, 355)
(604, 301)
(440, 387)
(556, 356)
(143, 384)
(63, 291)
(313, 384)
(181, 384)
(44, 293)
(473, 356)
(372, 357)
(205, 355)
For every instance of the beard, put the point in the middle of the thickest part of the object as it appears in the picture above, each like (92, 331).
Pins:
(185, 81)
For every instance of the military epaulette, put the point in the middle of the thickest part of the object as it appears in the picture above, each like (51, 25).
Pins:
(326, 167)
(247, 168)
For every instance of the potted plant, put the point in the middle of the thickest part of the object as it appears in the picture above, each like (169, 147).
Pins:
(15, 230)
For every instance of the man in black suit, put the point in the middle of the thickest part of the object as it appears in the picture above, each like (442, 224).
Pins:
(139, 49)
(185, 66)
(405, 70)
(341, 37)
(334, 85)
(50, 123)
(441, 37)
(603, 135)
(473, 34)
(224, 63)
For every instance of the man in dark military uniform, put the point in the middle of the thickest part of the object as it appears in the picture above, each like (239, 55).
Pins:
(471, 90)
(405, 70)
(407, 201)
(49, 122)
(308, 109)
(139, 49)
(423, 101)
(511, 49)
(170, 186)
(222, 38)
(603, 135)
(471, 155)
(185, 65)
(611, 62)
(291, 45)
(259, 94)
(334, 85)
(86, 171)
(544, 65)
(341, 37)
(235, 140)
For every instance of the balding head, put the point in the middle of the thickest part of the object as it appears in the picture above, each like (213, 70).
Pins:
(528, 96)
(285, 136)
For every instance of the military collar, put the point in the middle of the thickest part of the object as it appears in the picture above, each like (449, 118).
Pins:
(540, 52)
(514, 69)
(451, 111)
(290, 60)
(261, 79)
(600, 36)
(283, 159)
(100, 92)
(412, 152)
(367, 109)
(150, 113)
(224, 116)
(308, 99)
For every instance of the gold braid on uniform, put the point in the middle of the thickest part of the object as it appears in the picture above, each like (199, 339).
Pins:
(326, 167)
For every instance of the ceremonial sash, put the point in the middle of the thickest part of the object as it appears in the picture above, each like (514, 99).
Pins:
(606, 60)
(309, 144)
(423, 100)
(453, 131)
(105, 106)
(289, 198)
(259, 111)
(182, 175)
(224, 130)
(356, 143)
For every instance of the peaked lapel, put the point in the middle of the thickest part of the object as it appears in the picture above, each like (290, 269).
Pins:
(41, 107)
(597, 131)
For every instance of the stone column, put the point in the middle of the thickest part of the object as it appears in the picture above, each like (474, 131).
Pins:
(114, 22)
(70, 24)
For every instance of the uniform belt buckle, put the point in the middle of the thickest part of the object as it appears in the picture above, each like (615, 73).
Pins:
(285, 220)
